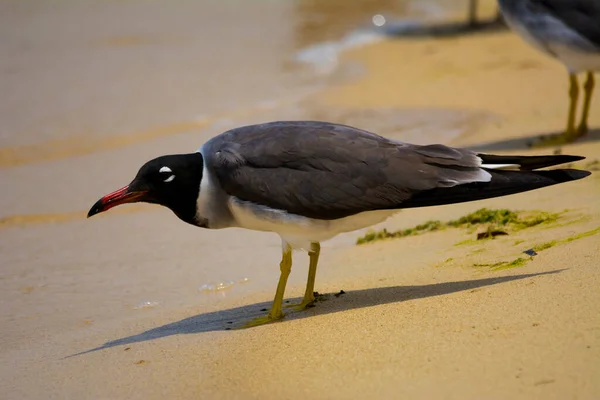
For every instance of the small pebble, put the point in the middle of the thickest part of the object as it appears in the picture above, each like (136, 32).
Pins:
(530, 252)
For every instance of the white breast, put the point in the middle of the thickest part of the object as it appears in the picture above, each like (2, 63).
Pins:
(577, 60)
(211, 205)
(297, 230)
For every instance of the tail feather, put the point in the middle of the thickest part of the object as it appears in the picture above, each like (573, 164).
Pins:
(503, 183)
(526, 163)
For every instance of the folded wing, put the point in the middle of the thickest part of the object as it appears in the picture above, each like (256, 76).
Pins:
(329, 171)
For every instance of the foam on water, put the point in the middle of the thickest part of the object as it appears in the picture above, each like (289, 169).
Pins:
(146, 304)
(324, 57)
(221, 286)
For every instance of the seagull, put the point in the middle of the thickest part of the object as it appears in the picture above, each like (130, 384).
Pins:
(568, 30)
(309, 181)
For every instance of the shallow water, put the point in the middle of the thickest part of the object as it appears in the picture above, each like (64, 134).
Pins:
(84, 70)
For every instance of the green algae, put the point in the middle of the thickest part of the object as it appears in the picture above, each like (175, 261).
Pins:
(515, 220)
(552, 243)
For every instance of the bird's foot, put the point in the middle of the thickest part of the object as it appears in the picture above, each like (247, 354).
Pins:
(266, 319)
(303, 305)
(307, 302)
(582, 130)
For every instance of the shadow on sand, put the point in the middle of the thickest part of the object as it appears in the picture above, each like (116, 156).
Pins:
(413, 29)
(527, 142)
(226, 319)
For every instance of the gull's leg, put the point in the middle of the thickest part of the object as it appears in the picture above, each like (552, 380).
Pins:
(276, 309)
(472, 16)
(587, 101)
(285, 267)
(573, 95)
(499, 16)
(309, 293)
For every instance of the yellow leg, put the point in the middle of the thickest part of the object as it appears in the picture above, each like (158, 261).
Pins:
(573, 94)
(570, 134)
(309, 293)
(276, 312)
(589, 89)
(472, 17)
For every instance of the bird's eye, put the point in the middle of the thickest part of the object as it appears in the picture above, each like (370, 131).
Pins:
(168, 173)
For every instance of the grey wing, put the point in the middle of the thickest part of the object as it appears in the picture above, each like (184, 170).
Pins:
(582, 16)
(329, 171)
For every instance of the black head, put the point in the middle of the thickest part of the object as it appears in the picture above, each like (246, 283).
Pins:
(171, 181)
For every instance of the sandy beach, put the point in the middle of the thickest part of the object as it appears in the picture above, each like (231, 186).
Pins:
(135, 304)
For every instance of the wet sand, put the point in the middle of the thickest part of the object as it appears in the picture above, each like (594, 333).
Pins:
(418, 318)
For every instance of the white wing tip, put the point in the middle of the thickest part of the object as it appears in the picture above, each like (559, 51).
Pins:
(500, 166)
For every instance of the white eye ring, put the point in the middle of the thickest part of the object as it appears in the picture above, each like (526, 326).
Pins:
(170, 178)
(167, 170)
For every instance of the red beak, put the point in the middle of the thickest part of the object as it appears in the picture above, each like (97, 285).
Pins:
(121, 196)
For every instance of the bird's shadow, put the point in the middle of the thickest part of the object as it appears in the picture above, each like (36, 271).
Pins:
(412, 29)
(528, 142)
(326, 304)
